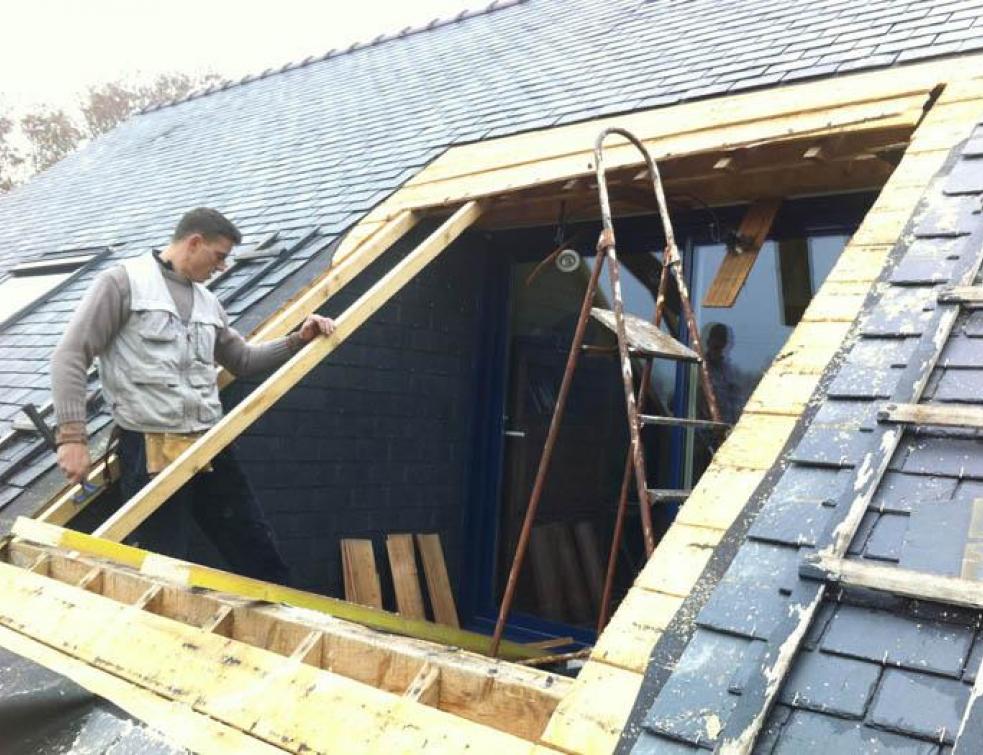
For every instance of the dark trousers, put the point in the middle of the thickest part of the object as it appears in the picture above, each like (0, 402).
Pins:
(223, 504)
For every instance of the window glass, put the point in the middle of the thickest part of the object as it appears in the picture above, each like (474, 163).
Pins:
(19, 291)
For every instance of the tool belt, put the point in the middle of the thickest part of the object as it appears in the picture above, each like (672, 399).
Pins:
(163, 448)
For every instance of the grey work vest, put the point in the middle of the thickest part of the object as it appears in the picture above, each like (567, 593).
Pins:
(159, 373)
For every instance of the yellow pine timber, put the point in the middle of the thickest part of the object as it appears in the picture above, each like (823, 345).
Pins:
(197, 456)
(592, 715)
(785, 393)
(194, 575)
(679, 559)
(505, 696)
(756, 441)
(177, 723)
(719, 496)
(293, 705)
(636, 626)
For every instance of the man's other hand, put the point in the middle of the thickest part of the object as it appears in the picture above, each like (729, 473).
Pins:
(315, 325)
(74, 460)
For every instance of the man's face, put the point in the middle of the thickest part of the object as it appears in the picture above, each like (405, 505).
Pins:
(207, 256)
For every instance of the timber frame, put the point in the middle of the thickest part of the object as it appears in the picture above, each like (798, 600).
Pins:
(892, 128)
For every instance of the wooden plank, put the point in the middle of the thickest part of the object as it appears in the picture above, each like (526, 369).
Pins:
(756, 441)
(679, 559)
(406, 580)
(438, 583)
(970, 297)
(635, 627)
(736, 265)
(488, 691)
(194, 575)
(591, 717)
(719, 497)
(178, 723)
(940, 415)
(546, 577)
(425, 687)
(908, 583)
(590, 558)
(743, 726)
(290, 704)
(197, 457)
(362, 584)
(572, 578)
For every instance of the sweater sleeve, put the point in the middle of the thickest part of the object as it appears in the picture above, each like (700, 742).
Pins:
(243, 359)
(99, 317)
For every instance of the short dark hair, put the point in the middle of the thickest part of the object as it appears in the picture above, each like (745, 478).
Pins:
(209, 223)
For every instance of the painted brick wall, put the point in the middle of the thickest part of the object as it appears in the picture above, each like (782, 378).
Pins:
(376, 439)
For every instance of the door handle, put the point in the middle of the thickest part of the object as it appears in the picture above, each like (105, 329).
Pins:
(515, 433)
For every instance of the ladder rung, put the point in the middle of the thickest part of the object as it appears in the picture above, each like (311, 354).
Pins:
(663, 494)
(939, 415)
(644, 338)
(652, 419)
(970, 297)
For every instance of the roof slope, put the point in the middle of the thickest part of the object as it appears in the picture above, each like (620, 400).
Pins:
(875, 672)
(312, 148)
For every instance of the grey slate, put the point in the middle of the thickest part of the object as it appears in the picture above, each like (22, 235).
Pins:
(973, 662)
(962, 385)
(810, 733)
(950, 457)
(790, 521)
(886, 539)
(879, 636)
(899, 492)
(830, 684)
(919, 704)
(697, 693)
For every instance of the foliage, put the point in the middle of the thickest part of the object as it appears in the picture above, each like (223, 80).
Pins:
(42, 137)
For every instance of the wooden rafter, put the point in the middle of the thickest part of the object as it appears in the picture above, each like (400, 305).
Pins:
(282, 701)
(189, 463)
(480, 689)
(737, 262)
(191, 575)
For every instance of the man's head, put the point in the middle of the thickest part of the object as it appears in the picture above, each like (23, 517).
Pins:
(201, 243)
(715, 343)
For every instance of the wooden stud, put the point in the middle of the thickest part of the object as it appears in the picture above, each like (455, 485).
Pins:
(736, 265)
(195, 458)
(220, 622)
(425, 687)
(406, 580)
(309, 650)
(183, 573)
(192, 667)
(483, 690)
(438, 583)
(360, 575)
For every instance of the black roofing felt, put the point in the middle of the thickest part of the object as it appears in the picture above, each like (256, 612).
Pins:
(42, 712)
(316, 145)
(875, 673)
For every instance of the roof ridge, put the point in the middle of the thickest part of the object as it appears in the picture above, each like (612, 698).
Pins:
(436, 23)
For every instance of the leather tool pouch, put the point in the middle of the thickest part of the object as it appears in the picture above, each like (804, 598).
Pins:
(163, 448)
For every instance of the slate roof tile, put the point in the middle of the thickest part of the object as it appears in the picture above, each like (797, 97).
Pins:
(887, 537)
(830, 684)
(919, 704)
(883, 637)
(810, 733)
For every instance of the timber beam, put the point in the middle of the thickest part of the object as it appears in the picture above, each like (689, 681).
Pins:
(498, 694)
(282, 701)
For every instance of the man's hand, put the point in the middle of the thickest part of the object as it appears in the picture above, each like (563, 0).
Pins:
(74, 460)
(315, 325)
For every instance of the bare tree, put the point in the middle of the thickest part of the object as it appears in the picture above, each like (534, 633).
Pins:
(110, 104)
(10, 157)
(51, 133)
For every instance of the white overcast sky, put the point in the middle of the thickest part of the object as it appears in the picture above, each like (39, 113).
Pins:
(52, 50)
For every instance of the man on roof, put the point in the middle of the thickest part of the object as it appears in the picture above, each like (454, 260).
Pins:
(159, 333)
